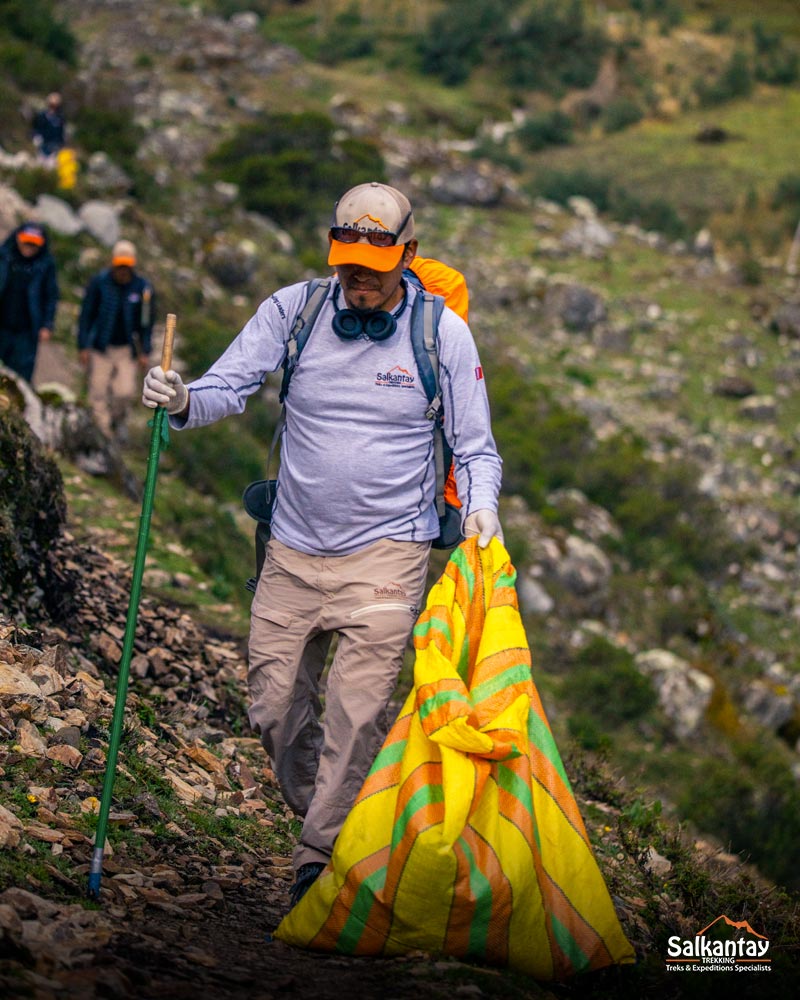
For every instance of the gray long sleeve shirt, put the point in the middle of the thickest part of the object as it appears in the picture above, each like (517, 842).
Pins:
(357, 449)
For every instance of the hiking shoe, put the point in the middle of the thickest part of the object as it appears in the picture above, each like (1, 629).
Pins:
(306, 876)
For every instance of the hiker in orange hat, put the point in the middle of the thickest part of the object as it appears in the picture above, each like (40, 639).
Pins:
(355, 513)
(115, 337)
(28, 297)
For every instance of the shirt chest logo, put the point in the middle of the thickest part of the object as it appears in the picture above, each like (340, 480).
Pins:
(395, 378)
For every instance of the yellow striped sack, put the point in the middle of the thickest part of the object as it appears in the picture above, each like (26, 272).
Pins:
(466, 839)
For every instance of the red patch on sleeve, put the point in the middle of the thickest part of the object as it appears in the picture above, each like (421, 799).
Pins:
(478, 373)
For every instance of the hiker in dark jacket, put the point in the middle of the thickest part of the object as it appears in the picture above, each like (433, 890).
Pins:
(115, 337)
(49, 127)
(28, 297)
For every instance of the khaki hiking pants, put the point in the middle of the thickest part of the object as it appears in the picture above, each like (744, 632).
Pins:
(371, 599)
(113, 383)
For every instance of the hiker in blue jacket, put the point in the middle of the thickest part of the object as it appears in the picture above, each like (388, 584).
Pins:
(28, 297)
(355, 513)
(115, 331)
(49, 128)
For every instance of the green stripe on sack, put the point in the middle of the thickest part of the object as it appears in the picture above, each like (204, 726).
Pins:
(358, 918)
(511, 783)
(519, 673)
(567, 943)
(392, 753)
(459, 558)
(427, 795)
(506, 579)
(541, 737)
(421, 629)
(481, 889)
(442, 698)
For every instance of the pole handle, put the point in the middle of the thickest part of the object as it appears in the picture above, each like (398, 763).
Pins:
(169, 336)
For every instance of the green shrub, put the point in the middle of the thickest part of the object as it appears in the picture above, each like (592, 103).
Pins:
(657, 214)
(605, 683)
(752, 270)
(221, 550)
(220, 460)
(541, 441)
(720, 24)
(32, 517)
(753, 802)
(550, 128)
(736, 80)
(665, 519)
(547, 45)
(787, 192)
(460, 37)
(29, 67)
(561, 185)
(291, 168)
(348, 37)
(227, 8)
(587, 733)
(775, 62)
(551, 47)
(104, 123)
(620, 114)
(34, 22)
(30, 183)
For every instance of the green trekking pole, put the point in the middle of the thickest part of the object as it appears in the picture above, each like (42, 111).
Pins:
(159, 436)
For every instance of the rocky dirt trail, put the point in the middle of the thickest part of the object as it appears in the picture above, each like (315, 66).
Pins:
(181, 914)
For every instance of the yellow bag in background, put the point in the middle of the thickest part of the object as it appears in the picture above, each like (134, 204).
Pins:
(466, 838)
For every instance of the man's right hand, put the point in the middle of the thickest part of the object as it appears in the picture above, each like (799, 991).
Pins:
(165, 389)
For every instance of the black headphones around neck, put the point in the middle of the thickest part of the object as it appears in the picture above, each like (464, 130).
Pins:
(350, 324)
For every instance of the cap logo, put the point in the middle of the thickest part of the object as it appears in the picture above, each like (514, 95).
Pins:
(378, 222)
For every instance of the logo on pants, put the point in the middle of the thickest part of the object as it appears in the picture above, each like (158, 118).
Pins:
(390, 591)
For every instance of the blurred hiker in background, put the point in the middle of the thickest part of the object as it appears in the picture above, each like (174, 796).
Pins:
(28, 297)
(115, 330)
(49, 128)
(355, 512)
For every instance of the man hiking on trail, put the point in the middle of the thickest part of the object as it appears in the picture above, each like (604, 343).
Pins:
(354, 516)
(115, 331)
(28, 297)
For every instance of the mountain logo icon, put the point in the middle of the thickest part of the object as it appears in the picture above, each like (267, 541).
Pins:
(739, 925)
(396, 378)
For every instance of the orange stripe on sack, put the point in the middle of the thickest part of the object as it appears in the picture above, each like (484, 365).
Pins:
(581, 931)
(456, 940)
(488, 862)
(545, 775)
(377, 931)
(427, 816)
(387, 776)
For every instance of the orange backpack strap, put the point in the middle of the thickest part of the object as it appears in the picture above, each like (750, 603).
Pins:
(441, 279)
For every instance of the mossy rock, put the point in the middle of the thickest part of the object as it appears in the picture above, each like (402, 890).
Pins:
(33, 512)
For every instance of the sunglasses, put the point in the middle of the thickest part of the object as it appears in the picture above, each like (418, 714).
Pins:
(377, 238)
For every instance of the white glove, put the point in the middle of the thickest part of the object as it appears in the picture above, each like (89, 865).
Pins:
(164, 389)
(484, 523)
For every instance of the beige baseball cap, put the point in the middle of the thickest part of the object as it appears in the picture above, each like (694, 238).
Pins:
(123, 254)
(371, 223)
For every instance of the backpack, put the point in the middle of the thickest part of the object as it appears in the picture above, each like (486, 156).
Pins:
(259, 497)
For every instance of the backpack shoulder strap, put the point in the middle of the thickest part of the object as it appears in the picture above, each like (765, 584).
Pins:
(316, 293)
(425, 315)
